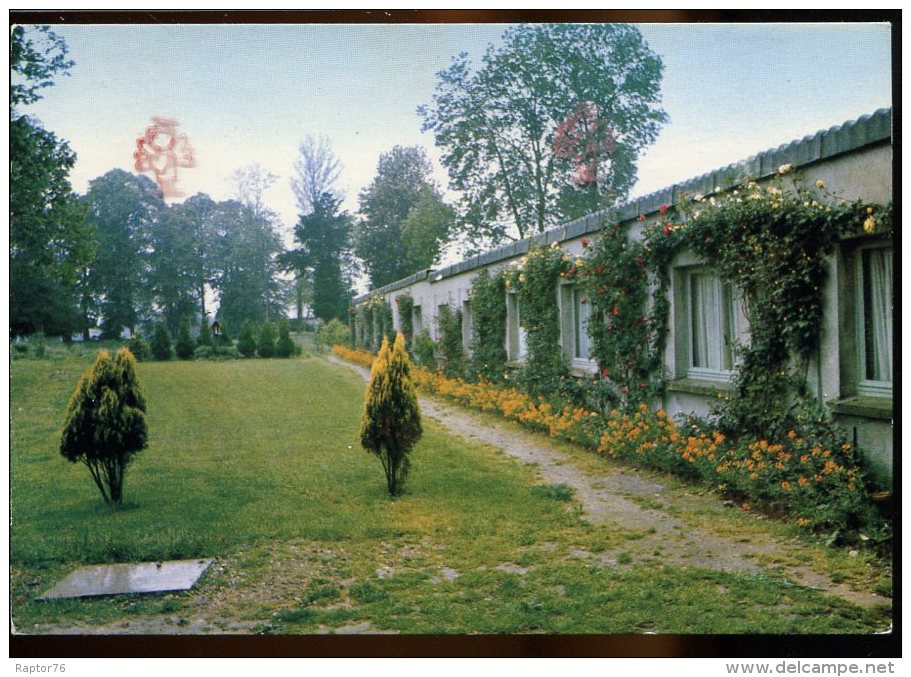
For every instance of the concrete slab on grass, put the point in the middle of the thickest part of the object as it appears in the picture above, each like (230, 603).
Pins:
(122, 579)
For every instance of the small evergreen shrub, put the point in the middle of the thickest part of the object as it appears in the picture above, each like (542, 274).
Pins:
(161, 343)
(425, 350)
(332, 333)
(106, 423)
(139, 347)
(185, 345)
(224, 338)
(204, 353)
(285, 346)
(246, 342)
(205, 334)
(391, 423)
(266, 345)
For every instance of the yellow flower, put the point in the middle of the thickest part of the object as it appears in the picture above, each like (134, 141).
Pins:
(820, 184)
(785, 169)
(869, 210)
(869, 225)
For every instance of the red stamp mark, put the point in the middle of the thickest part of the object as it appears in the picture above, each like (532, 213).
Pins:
(162, 150)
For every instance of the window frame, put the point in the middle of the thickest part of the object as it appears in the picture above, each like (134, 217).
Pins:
(867, 387)
(516, 334)
(725, 321)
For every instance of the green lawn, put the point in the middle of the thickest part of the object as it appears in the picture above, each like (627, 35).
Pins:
(257, 464)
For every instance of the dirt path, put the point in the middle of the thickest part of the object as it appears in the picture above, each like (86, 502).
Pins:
(618, 498)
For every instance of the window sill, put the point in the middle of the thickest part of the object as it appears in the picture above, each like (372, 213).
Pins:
(699, 387)
(864, 407)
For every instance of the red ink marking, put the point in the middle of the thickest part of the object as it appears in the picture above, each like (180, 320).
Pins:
(162, 150)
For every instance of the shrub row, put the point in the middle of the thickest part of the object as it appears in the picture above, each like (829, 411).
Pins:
(814, 478)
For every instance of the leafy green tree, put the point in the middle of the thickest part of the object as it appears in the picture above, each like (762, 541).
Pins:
(496, 125)
(124, 208)
(427, 228)
(285, 347)
(322, 257)
(106, 422)
(181, 258)
(391, 423)
(50, 242)
(265, 347)
(185, 344)
(161, 343)
(403, 178)
(246, 342)
(245, 265)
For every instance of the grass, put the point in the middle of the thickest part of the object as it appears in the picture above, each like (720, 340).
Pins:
(257, 464)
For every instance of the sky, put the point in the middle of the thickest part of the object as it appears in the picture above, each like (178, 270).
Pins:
(247, 94)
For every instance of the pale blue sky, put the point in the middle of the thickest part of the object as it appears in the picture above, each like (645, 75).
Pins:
(250, 93)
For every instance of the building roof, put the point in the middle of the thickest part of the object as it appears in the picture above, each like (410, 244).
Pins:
(867, 130)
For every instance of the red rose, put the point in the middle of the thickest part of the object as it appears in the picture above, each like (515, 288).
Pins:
(642, 217)
(666, 230)
(641, 385)
(605, 372)
(582, 300)
(615, 311)
(584, 241)
(662, 210)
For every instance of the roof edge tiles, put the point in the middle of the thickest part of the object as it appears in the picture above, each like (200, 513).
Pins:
(867, 130)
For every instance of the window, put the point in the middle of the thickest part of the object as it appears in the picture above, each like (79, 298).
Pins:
(874, 326)
(516, 336)
(416, 324)
(466, 326)
(581, 340)
(713, 324)
(574, 318)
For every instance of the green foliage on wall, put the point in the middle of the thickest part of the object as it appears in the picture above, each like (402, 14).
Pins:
(405, 305)
(450, 325)
(488, 329)
(615, 279)
(535, 281)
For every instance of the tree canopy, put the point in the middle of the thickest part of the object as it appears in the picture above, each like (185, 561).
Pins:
(496, 125)
(50, 242)
(322, 257)
(402, 182)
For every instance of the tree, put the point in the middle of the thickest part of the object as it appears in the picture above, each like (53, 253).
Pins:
(322, 258)
(106, 423)
(50, 242)
(426, 229)
(391, 423)
(316, 171)
(180, 260)
(246, 342)
(161, 343)
(496, 125)
(265, 347)
(185, 344)
(403, 178)
(35, 58)
(245, 266)
(124, 209)
(205, 334)
(250, 184)
(285, 347)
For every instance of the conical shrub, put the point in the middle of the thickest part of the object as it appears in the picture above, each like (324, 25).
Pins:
(391, 423)
(106, 423)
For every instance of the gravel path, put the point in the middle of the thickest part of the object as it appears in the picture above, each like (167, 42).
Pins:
(613, 498)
